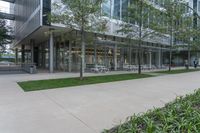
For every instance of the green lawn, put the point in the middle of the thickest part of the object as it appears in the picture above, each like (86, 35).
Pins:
(177, 71)
(68, 82)
(180, 116)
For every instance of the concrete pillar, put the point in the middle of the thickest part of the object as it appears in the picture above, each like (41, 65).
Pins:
(70, 57)
(159, 58)
(142, 57)
(16, 56)
(130, 53)
(136, 57)
(150, 59)
(57, 58)
(115, 57)
(43, 61)
(95, 54)
(122, 58)
(51, 53)
(23, 53)
(55, 44)
(105, 56)
(32, 43)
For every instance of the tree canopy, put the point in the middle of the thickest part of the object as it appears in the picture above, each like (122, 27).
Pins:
(142, 21)
(4, 35)
(79, 14)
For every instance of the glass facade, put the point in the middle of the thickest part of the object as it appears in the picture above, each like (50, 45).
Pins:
(120, 9)
(195, 21)
(195, 4)
(46, 10)
(117, 9)
(125, 4)
(106, 8)
(199, 6)
(67, 53)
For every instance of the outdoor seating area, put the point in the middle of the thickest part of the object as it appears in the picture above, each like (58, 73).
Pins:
(99, 69)
(143, 67)
(103, 69)
(130, 67)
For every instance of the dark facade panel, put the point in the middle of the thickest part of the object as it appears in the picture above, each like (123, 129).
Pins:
(10, 1)
(27, 18)
(46, 11)
(7, 16)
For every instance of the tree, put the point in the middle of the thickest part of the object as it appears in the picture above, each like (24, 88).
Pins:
(173, 12)
(82, 15)
(142, 21)
(196, 41)
(186, 30)
(186, 35)
(192, 41)
(4, 35)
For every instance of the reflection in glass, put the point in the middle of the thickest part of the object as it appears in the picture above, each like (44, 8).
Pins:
(106, 8)
(117, 9)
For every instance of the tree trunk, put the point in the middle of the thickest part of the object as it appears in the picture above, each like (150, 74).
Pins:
(170, 57)
(82, 54)
(130, 52)
(171, 45)
(140, 39)
(139, 58)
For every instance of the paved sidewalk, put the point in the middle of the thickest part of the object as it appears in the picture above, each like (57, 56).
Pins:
(84, 109)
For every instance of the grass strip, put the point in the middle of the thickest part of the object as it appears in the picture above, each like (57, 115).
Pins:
(68, 82)
(179, 116)
(177, 71)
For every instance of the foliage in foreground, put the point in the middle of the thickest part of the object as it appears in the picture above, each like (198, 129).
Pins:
(180, 116)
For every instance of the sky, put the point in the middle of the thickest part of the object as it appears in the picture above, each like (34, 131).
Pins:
(4, 6)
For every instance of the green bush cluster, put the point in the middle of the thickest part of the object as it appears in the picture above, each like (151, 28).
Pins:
(178, 71)
(180, 116)
(7, 59)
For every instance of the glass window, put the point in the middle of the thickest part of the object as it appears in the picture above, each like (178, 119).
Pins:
(46, 11)
(106, 8)
(124, 9)
(116, 13)
(199, 6)
(195, 4)
(47, 4)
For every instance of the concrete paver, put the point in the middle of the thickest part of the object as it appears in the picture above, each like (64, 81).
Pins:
(84, 109)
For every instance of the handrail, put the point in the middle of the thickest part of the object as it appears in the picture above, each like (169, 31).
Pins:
(27, 67)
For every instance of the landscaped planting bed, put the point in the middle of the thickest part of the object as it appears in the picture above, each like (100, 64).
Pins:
(180, 116)
(68, 82)
(178, 71)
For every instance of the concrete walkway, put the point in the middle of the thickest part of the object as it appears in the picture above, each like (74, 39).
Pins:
(84, 109)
